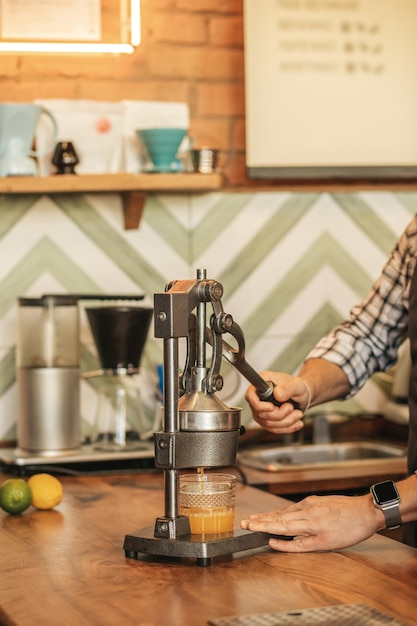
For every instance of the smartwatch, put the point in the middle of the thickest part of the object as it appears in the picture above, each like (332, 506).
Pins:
(387, 498)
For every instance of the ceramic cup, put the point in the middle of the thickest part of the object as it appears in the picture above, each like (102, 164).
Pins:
(162, 145)
(208, 500)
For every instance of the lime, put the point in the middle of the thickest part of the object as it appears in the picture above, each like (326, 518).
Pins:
(15, 496)
(47, 491)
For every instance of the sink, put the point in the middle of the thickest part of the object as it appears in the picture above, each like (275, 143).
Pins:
(275, 458)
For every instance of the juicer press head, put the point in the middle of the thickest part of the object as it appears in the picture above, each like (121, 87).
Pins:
(200, 430)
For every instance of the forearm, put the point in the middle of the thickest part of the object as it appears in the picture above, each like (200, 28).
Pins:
(326, 380)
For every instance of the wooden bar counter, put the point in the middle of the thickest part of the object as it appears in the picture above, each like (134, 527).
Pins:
(68, 567)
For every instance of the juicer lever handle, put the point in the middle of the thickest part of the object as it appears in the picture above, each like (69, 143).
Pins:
(236, 357)
(267, 395)
(264, 388)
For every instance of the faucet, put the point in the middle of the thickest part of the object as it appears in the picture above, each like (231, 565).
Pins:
(321, 429)
(292, 439)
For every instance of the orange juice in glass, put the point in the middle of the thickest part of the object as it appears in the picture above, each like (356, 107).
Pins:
(208, 500)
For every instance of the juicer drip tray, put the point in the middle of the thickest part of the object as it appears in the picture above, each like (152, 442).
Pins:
(85, 459)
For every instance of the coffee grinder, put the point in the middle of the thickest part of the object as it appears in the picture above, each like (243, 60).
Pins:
(200, 431)
(120, 333)
(48, 376)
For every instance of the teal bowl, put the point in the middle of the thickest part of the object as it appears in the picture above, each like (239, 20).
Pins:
(162, 145)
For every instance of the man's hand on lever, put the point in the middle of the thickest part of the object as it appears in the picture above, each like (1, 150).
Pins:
(287, 391)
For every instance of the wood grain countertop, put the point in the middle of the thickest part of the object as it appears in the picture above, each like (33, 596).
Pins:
(68, 567)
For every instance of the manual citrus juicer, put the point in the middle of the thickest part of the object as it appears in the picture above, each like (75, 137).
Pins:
(200, 431)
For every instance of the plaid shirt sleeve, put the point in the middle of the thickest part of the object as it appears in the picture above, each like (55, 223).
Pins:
(368, 340)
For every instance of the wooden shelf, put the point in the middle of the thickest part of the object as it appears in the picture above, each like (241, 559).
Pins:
(133, 187)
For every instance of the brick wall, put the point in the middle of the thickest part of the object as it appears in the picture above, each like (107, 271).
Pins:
(191, 51)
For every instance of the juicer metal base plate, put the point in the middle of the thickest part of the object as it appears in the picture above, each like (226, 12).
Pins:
(201, 547)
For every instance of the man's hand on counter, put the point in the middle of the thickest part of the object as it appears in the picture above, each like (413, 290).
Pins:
(331, 522)
(319, 523)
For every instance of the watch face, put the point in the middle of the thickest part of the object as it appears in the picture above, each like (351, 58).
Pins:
(385, 492)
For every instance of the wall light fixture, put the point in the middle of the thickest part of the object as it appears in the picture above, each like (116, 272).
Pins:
(82, 48)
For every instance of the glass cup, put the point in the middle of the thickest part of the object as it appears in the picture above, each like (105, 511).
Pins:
(208, 500)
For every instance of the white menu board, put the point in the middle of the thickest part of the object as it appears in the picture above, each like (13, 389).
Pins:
(50, 20)
(331, 88)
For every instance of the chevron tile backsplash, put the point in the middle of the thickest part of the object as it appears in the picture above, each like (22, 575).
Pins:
(292, 265)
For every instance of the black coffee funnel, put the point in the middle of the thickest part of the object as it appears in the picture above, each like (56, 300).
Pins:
(120, 333)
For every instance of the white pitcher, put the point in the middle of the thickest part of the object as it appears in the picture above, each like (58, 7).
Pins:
(18, 122)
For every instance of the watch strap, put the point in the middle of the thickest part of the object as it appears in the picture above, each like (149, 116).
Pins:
(392, 515)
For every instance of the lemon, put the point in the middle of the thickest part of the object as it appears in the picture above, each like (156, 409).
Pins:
(47, 491)
(15, 496)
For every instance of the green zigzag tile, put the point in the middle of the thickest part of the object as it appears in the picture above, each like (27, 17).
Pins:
(7, 370)
(12, 209)
(88, 360)
(167, 226)
(45, 256)
(11, 434)
(294, 354)
(324, 251)
(365, 217)
(189, 244)
(221, 214)
(116, 247)
(7, 380)
(408, 200)
(249, 257)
